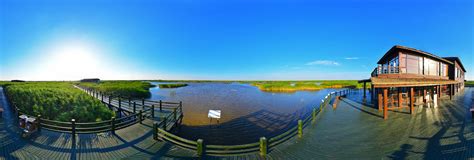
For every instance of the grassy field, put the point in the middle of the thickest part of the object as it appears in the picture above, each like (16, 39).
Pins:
(469, 84)
(56, 101)
(129, 89)
(291, 86)
(176, 85)
(288, 86)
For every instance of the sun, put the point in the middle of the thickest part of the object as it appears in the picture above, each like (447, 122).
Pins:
(70, 61)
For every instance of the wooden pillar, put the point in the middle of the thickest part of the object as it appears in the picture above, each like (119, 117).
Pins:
(300, 128)
(439, 91)
(399, 97)
(451, 92)
(263, 146)
(412, 97)
(385, 103)
(200, 147)
(380, 101)
(424, 95)
(73, 129)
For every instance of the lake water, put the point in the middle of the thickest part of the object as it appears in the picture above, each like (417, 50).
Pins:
(247, 112)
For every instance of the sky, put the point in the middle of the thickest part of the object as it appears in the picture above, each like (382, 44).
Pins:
(223, 40)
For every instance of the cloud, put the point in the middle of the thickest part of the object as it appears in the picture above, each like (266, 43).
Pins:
(351, 58)
(323, 62)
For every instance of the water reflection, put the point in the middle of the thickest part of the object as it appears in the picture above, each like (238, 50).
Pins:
(247, 112)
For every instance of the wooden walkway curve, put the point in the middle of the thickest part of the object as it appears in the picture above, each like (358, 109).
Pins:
(353, 130)
(158, 111)
(133, 142)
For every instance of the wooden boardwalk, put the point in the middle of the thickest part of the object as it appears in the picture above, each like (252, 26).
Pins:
(351, 131)
(356, 131)
(150, 109)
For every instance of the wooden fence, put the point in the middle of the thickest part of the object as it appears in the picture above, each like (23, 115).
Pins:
(160, 133)
(136, 114)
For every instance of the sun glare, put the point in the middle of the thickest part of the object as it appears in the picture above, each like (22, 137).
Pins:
(69, 61)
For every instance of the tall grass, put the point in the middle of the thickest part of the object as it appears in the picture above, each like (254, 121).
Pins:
(287, 86)
(290, 86)
(469, 84)
(56, 101)
(129, 89)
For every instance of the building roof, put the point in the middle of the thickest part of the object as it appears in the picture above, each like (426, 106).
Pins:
(399, 47)
(452, 59)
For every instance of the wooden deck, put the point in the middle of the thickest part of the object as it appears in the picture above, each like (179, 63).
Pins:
(352, 130)
(135, 142)
(357, 131)
(125, 106)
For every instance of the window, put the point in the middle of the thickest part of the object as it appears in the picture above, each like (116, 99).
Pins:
(444, 70)
(413, 64)
(420, 65)
(431, 67)
(455, 72)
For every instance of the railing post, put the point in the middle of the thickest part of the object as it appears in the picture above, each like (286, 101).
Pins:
(153, 111)
(140, 117)
(200, 147)
(263, 146)
(155, 130)
(175, 114)
(129, 102)
(102, 96)
(143, 103)
(134, 107)
(110, 99)
(164, 123)
(39, 123)
(120, 106)
(300, 128)
(161, 106)
(113, 125)
(73, 129)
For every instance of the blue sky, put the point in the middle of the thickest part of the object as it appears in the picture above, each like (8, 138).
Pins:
(233, 40)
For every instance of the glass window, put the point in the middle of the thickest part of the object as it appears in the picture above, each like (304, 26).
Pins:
(431, 67)
(444, 70)
(412, 64)
(420, 65)
(455, 72)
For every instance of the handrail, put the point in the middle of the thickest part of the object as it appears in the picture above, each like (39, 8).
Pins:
(242, 149)
(379, 70)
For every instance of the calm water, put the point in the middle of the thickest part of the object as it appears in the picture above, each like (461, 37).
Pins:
(247, 112)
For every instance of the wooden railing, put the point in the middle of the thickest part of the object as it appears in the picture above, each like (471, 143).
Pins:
(263, 146)
(132, 106)
(112, 125)
(385, 70)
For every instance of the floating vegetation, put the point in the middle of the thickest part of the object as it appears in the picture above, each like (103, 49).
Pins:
(175, 85)
(291, 86)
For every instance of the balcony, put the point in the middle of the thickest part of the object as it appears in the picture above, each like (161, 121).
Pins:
(385, 70)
